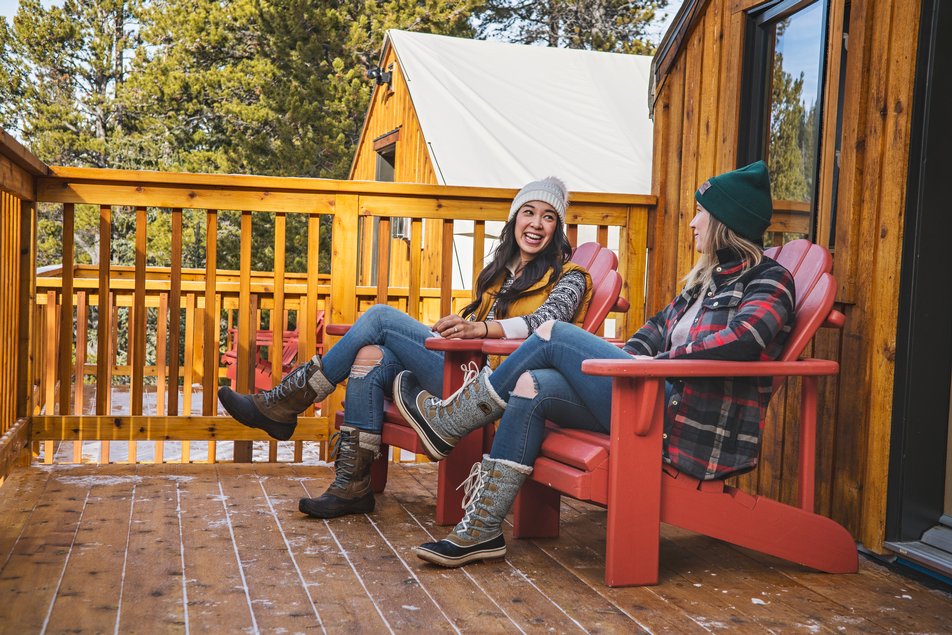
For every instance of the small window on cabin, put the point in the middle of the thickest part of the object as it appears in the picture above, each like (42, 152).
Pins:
(386, 162)
(782, 102)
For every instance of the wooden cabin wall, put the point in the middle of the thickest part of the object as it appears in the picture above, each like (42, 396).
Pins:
(696, 136)
(391, 109)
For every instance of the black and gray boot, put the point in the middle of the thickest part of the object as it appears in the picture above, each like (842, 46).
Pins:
(275, 411)
(441, 423)
(490, 489)
(350, 493)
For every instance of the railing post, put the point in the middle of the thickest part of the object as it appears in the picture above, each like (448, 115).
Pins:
(633, 267)
(343, 299)
(27, 297)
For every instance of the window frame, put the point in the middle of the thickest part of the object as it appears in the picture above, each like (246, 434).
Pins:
(757, 63)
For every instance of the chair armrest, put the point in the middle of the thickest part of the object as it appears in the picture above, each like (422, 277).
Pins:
(835, 320)
(337, 329)
(454, 346)
(501, 347)
(621, 305)
(657, 368)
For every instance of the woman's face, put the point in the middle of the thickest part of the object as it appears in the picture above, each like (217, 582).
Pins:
(701, 225)
(535, 226)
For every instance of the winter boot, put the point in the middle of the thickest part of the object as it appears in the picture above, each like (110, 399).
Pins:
(350, 493)
(275, 411)
(440, 424)
(490, 490)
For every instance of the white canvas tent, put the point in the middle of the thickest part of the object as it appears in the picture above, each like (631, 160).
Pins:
(499, 115)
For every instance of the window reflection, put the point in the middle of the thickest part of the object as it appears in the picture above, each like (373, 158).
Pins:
(792, 144)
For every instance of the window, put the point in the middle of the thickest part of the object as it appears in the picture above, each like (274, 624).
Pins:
(782, 101)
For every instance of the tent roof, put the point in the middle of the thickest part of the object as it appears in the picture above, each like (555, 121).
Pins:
(500, 115)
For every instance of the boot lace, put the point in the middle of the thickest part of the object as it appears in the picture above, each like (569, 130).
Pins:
(472, 487)
(295, 380)
(470, 373)
(346, 450)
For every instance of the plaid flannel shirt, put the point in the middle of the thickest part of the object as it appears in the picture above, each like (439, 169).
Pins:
(712, 427)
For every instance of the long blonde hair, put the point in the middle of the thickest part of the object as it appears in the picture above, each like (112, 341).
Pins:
(720, 236)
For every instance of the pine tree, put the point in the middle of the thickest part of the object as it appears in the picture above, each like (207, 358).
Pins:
(600, 25)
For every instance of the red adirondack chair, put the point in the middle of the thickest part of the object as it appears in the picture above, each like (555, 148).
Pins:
(602, 265)
(624, 470)
(263, 366)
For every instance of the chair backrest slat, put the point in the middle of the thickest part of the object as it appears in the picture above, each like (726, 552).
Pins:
(602, 265)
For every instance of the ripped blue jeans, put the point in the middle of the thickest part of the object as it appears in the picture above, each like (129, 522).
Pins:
(400, 339)
(564, 394)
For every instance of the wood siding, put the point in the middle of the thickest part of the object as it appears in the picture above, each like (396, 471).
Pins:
(696, 136)
(392, 109)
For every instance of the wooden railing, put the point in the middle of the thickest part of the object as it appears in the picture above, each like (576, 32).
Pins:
(74, 372)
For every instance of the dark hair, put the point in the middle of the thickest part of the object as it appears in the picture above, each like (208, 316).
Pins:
(556, 254)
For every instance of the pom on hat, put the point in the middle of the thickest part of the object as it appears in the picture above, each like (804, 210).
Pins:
(740, 199)
(549, 190)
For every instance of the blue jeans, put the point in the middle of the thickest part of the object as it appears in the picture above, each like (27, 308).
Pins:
(400, 338)
(564, 394)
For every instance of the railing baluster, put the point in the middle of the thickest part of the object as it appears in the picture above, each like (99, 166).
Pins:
(175, 311)
(383, 260)
(49, 366)
(446, 270)
(82, 333)
(66, 316)
(416, 256)
(211, 317)
(479, 249)
(246, 336)
(138, 321)
(103, 312)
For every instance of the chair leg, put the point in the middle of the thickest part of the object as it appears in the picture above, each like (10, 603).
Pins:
(378, 470)
(536, 511)
(634, 483)
(453, 470)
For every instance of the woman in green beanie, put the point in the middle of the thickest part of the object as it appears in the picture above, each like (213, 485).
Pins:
(736, 304)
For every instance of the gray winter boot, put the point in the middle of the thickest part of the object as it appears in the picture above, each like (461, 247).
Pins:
(350, 493)
(440, 424)
(275, 411)
(490, 489)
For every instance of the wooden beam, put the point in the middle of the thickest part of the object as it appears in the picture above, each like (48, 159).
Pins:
(149, 428)
(13, 443)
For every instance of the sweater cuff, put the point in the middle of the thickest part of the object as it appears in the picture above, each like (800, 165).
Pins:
(514, 328)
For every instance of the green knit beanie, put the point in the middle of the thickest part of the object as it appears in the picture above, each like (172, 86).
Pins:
(740, 199)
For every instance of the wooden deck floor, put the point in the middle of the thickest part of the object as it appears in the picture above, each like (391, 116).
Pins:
(222, 548)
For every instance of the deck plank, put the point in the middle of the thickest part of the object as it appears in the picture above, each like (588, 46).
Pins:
(567, 604)
(30, 578)
(216, 592)
(152, 591)
(19, 496)
(88, 598)
(278, 597)
(331, 581)
(393, 588)
(253, 563)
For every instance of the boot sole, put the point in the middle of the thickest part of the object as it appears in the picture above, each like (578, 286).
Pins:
(423, 433)
(459, 561)
(360, 507)
(279, 430)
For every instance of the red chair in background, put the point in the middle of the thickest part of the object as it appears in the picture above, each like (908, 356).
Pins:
(624, 470)
(263, 366)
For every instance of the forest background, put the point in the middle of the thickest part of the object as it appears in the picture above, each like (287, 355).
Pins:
(242, 87)
(235, 86)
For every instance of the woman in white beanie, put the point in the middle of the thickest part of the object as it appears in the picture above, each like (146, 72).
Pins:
(529, 281)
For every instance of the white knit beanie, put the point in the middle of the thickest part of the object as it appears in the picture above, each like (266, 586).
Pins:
(549, 190)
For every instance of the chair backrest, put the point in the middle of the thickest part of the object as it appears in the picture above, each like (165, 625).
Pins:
(805, 260)
(602, 266)
(810, 265)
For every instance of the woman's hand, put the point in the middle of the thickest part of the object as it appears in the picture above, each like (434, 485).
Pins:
(456, 328)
